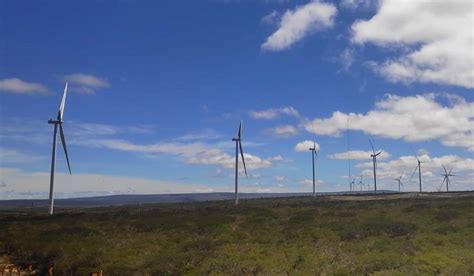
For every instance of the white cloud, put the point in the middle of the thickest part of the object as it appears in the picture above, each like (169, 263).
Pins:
(435, 39)
(206, 134)
(86, 83)
(273, 113)
(283, 131)
(18, 86)
(298, 23)
(309, 182)
(270, 18)
(15, 156)
(21, 184)
(412, 118)
(305, 146)
(191, 153)
(355, 4)
(347, 58)
(16, 184)
(357, 155)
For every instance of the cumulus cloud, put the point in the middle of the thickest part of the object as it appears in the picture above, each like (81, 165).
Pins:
(18, 86)
(273, 113)
(357, 155)
(86, 83)
(298, 23)
(435, 39)
(283, 131)
(411, 118)
(305, 146)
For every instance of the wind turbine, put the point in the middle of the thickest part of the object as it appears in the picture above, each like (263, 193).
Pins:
(314, 154)
(399, 180)
(446, 177)
(374, 160)
(56, 123)
(352, 183)
(419, 170)
(238, 145)
(361, 184)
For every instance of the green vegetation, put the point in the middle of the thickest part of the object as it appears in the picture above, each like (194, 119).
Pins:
(298, 235)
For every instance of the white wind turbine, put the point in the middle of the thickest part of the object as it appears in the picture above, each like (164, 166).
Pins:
(314, 155)
(56, 123)
(238, 146)
(374, 160)
(446, 177)
(399, 181)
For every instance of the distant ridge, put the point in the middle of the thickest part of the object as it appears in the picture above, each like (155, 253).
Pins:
(100, 201)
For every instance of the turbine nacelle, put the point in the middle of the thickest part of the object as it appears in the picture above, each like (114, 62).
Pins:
(376, 154)
(52, 122)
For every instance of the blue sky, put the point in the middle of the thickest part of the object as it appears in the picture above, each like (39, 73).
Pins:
(157, 89)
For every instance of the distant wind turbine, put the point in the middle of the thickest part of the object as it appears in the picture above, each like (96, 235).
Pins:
(238, 146)
(361, 184)
(446, 177)
(314, 154)
(400, 183)
(56, 123)
(374, 160)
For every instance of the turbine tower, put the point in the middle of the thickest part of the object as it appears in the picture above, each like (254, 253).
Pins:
(446, 178)
(314, 154)
(238, 146)
(56, 123)
(399, 180)
(374, 160)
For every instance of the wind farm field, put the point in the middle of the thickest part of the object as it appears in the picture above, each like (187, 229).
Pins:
(395, 234)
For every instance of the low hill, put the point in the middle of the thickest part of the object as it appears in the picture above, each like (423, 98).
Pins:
(101, 201)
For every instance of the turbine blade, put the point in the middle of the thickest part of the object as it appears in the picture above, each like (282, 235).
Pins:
(444, 179)
(444, 168)
(243, 159)
(63, 102)
(239, 134)
(379, 153)
(372, 145)
(63, 140)
(414, 171)
(450, 171)
(414, 153)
